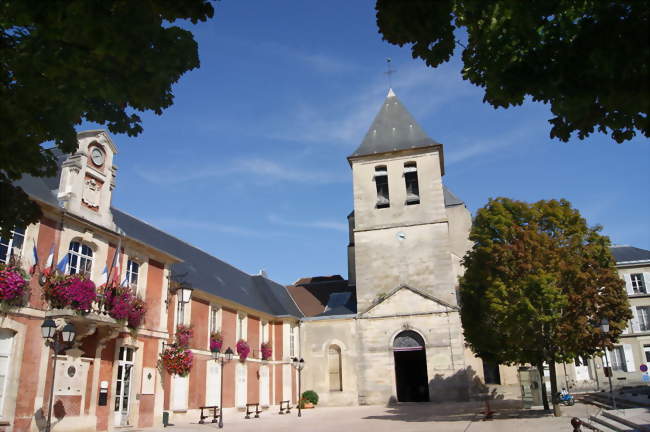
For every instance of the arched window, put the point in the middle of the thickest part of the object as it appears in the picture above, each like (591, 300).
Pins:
(381, 181)
(334, 360)
(80, 258)
(411, 180)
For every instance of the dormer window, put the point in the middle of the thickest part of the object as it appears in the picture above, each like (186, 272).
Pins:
(411, 180)
(381, 181)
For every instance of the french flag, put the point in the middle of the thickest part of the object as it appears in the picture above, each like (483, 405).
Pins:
(50, 260)
(63, 264)
(104, 279)
(33, 268)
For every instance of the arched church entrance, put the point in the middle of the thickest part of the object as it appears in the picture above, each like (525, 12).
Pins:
(411, 378)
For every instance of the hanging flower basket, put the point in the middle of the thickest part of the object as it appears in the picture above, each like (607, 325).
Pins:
(243, 349)
(70, 291)
(123, 304)
(267, 351)
(14, 290)
(177, 360)
(183, 335)
(216, 342)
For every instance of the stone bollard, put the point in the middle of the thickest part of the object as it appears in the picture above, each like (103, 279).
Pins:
(576, 423)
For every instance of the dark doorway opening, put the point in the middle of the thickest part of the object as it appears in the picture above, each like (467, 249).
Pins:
(491, 372)
(411, 378)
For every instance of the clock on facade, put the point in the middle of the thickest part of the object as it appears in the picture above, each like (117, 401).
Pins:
(97, 156)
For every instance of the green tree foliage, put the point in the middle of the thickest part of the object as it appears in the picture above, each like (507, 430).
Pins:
(538, 282)
(588, 59)
(65, 61)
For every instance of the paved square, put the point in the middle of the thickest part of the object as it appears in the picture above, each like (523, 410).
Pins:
(406, 418)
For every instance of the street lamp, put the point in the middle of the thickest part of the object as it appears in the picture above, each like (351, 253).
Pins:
(223, 358)
(604, 328)
(299, 365)
(49, 333)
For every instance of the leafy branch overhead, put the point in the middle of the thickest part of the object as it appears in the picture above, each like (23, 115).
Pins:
(64, 62)
(588, 59)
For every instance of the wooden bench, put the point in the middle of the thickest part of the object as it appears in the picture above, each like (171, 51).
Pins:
(214, 409)
(253, 408)
(285, 408)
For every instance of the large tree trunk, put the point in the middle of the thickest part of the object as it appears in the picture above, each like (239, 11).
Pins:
(556, 403)
(540, 368)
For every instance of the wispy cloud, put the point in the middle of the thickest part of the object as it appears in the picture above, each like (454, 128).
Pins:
(346, 122)
(319, 61)
(253, 168)
(520, 135)
(175, 224)
(318, 224)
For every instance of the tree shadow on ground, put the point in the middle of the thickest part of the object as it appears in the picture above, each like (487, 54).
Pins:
(459, 397)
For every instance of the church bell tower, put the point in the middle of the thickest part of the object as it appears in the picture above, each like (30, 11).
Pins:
(400, 233)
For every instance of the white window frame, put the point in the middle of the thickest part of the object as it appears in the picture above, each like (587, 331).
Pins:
(292, 341)
(617, 359)
(130, 263)
(8, 356)
(264, 331)
(638, 283)
(88, 259)
(643, 317)
(11, 244)
(215, 318)
(242, 326)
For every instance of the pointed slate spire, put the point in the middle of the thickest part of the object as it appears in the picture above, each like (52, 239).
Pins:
(393, 129)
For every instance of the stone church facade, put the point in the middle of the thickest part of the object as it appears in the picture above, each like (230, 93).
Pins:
(400, 336)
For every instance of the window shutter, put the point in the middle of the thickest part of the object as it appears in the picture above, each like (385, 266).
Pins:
(628, 284)
(629, 358)
(635, 321)
(646, 281)
(608, 358)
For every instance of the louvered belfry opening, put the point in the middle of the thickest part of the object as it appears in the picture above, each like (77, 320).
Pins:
(411, 378)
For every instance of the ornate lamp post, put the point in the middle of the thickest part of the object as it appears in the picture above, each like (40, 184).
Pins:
(222, 358)
(299, 365)
(49, 333)
(604, 327)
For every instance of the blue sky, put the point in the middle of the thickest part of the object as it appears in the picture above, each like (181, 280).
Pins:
(249, 164)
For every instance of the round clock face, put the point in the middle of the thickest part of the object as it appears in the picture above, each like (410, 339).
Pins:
(97, 156)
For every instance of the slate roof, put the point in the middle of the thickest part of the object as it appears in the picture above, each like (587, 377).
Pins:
(394, 128)
(204, 271)
(312, 295)
(629, 254)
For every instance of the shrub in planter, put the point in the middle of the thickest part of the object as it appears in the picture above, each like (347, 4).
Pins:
(267, 350)
(310, 396)
(216, 341)
(75, 291)
(14, 290)
(183, 335)
(177, 360)
(243, 349)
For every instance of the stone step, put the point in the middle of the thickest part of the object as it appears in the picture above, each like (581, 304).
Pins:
(610, 425)
(624, 421)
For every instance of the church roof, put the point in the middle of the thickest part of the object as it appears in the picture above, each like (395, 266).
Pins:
(393, 129)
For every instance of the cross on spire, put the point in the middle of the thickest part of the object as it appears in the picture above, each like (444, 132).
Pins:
(389, 72)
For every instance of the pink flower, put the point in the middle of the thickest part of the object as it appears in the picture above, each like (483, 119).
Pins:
(13, 286)
(243, 349)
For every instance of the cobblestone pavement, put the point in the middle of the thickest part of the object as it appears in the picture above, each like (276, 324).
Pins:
(402, 418)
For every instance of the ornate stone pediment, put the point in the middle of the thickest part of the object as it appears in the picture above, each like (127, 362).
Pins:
(92, 192)
(406, 300)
